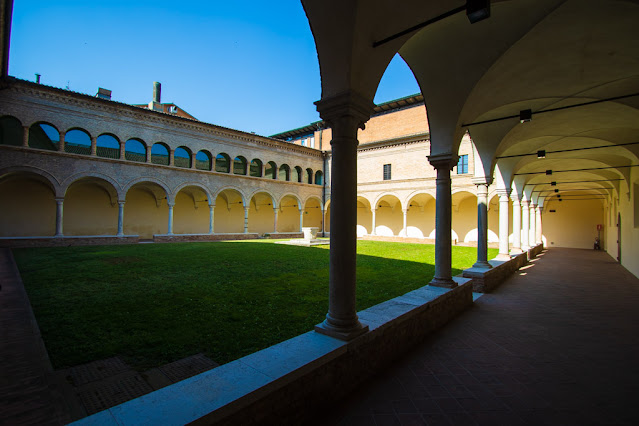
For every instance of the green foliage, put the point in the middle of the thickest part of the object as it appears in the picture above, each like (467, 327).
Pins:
(156, 303)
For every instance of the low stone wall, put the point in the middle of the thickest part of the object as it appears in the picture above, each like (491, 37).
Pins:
(177, 238)
(17, 242)
(284, 235)
(534, 251)
(420, 241)
(289, 383)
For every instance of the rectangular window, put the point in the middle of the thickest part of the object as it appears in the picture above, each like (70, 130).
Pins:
(312, 142)
(462, 164)
(387, 171)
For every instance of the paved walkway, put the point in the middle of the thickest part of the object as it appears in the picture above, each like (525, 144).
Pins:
(558, 343)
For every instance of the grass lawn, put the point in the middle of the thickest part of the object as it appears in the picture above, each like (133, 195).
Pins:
(156, 303)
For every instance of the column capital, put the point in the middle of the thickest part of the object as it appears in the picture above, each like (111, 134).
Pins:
(525, 203)
(211, 206)
(344, 109)
(121, 202)
(443, 161)
(170, 204)
(503, 192)
(59, 200)
(482, 180)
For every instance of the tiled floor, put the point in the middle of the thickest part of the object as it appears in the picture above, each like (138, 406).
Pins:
(556, 344)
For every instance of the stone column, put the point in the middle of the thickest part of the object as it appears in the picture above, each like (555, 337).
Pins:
(503, 223)
(345, 114)
(61, 143)
(301, 218)
(404, 232)
(540, 234)
(533, 225)
(211, 218)
(122, 150)
(373, 230)
(120, 218)
(525, 225)
(482, 226)
(246, 212)
(94, 145)
(516, 225)
(276, 212)
(170, 230)
(323, 219)
(193, 154)
(25, 136)
(59, 210)
(171, 157)
(148, 154)
(443, 163)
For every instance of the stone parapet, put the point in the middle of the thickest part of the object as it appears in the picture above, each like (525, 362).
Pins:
(176, 238)
(65, 241)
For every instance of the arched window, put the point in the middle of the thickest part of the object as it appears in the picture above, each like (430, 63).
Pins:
(285, 172)
(309, 176)
(319, 177)
(44, 136)
(297, 174)
(160, 154)
(271, 170)
(11, 132)
(203, 160)
(182, 157)
(256, 168)
(239, 166)
(107, 146)
(77, 141)
(135, 150)
(223, 163)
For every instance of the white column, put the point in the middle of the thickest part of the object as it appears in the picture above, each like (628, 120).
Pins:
(374, 210)
(482, 227)
(120, 218)
(540, 233)
(516, 225)
(323, 219)
(404, 232)
(525, 225)
(301, 218)
(246, 212)
(170, 227)
(276, 212)
(503, 223)
(211, 218)
(444, 163)
(533, 225)
(345, 114)
(59, 210)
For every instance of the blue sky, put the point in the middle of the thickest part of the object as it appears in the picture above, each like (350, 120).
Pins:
(247, 65)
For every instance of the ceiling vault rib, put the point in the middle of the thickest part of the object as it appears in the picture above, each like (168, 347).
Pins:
(568, 150)
(575, 170)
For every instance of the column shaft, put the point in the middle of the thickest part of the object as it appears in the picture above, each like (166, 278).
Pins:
(94, 145)
(443, 220)
(405, 227)
(533, 225)
(482, 227)
(59, 211)
(120, 218)
(25, 136)
(525, 225)
(246, 212)
(170, 227)
(503, 225)
(301, 219)
(211, 218)
(516, 225)
(61, 142)
(374, 210)
(275, 218)
(540, 233)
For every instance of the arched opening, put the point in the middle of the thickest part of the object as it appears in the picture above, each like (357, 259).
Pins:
(107, 146)
(77, 141)
(389, 218)
(191, 211)
(271, 170)
(312, 213)
(239, 165)
(135, 150)
(297, 174)
(146, 211)
(327, 217)
(464, 215)
(229, 212)
(182, 157)
(90, 208)
(223, 163)
(160, 154)
(28, 205)
(309, 176)
(285, 172)
(11, 131)
(420, 217)
(261, 214)
(44, 136)
(319, 178)
(289, 215)
(203, 160)
(364, 217)
(256, 168)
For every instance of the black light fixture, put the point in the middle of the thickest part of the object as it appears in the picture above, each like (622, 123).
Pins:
(541, 153)
(477, 10)
(556, 190)
(553, 183)
(548, 172)
(525, 115)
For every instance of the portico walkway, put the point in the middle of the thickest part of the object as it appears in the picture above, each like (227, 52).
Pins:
(555, 344)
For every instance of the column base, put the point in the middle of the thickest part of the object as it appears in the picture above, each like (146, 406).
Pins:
(443, 282)
(516, 251)
(503, 256)
(482, 265)
(346, 334)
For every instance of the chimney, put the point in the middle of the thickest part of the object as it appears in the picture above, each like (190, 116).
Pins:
(157, 90)
(103, 94)
(37, 78)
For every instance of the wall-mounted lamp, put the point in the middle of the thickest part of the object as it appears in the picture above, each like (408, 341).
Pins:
(541, 153)
(556, 190)
(477, 10)
(548, 172)
(553, 183)
(525, 115)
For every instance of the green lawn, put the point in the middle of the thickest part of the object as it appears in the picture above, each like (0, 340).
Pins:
(156, 303)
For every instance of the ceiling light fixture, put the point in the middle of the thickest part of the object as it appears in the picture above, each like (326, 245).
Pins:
(541, 153)
(525, 115)
(477, 10)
